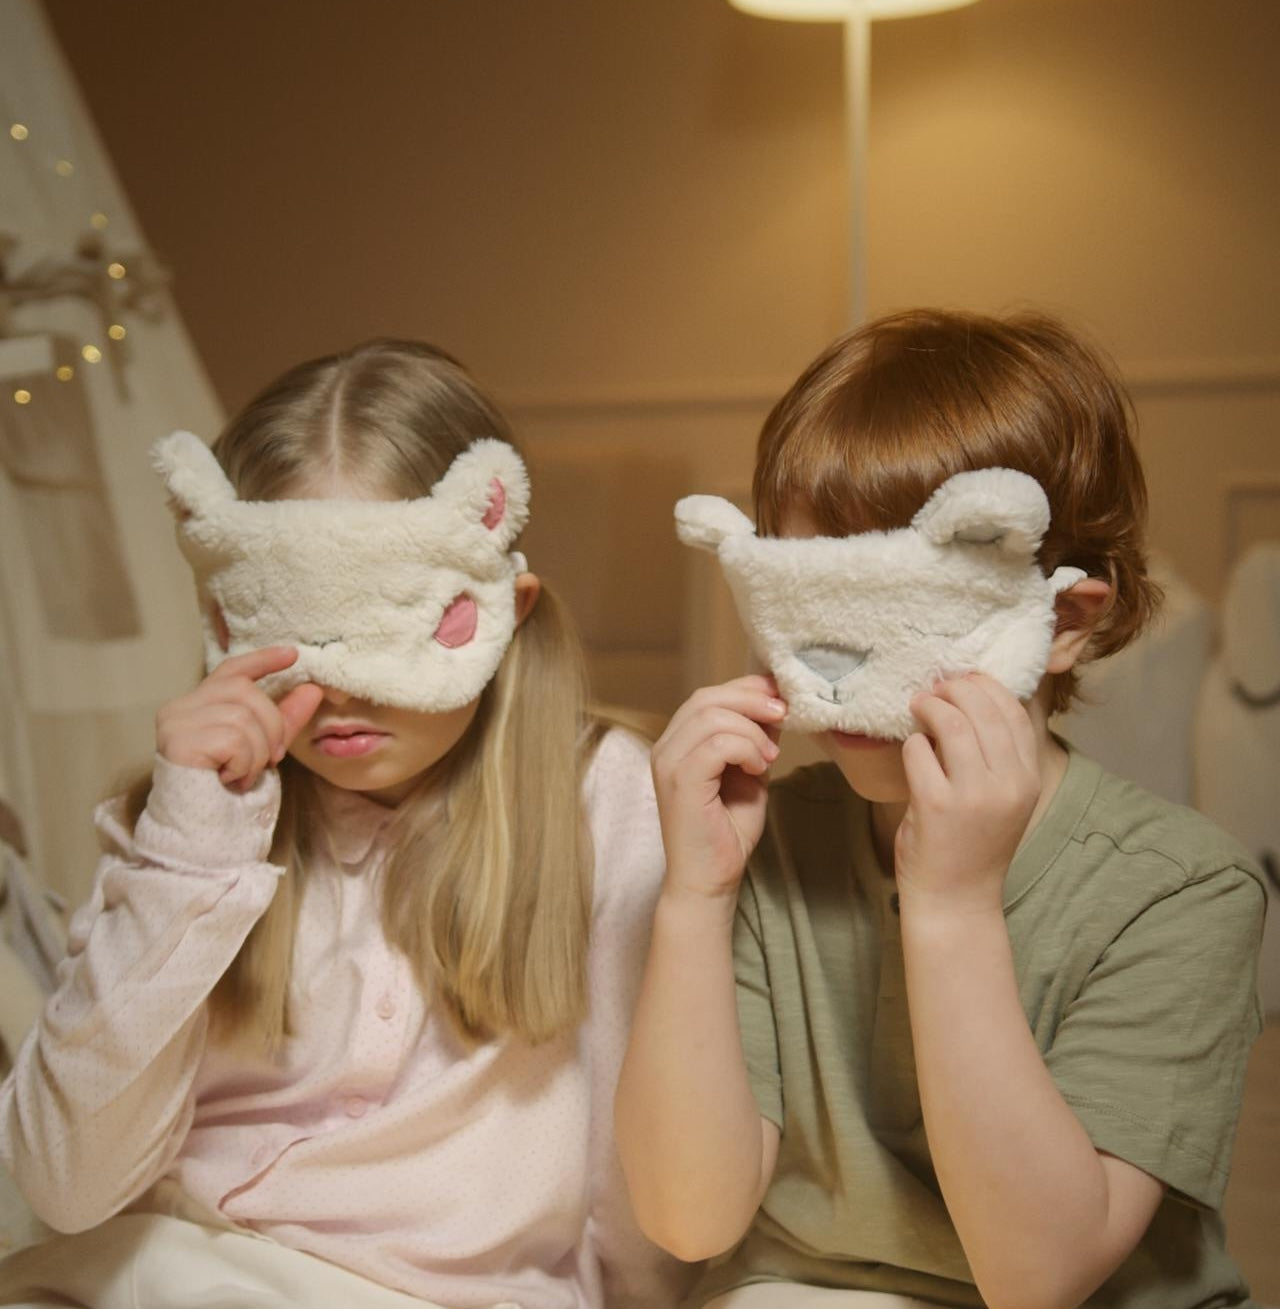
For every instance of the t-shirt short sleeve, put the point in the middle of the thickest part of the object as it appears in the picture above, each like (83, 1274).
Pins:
(1151, 1054)
(755, 1006)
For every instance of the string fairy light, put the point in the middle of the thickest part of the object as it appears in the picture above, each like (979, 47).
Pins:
(107, 280)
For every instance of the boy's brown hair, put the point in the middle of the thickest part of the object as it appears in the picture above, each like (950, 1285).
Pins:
(887, 413)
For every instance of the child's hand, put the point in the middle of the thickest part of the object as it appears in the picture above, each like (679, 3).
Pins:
(974, 778)
(230, 724)
(709, 770)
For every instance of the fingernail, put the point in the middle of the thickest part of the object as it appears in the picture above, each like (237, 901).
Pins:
(778, 706)
(771, 749)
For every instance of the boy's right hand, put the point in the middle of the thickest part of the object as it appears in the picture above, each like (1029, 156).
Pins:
(709, 771)
(230, 724)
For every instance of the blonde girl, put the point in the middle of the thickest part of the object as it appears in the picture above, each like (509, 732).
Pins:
(342, 1018)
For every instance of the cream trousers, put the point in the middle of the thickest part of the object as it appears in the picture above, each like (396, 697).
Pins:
(153, 1261)
(787, 1295)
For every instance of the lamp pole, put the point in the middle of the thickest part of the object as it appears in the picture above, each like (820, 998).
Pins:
(857, 101)
(857, 17)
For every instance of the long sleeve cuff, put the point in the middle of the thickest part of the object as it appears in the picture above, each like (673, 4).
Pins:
(193, 822)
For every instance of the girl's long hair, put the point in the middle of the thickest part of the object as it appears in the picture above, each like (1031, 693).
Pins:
(487, 888)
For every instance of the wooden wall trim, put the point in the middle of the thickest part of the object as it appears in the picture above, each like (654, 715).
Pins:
(1143, 378)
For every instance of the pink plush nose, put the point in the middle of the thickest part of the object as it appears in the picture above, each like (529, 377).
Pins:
(458, 624)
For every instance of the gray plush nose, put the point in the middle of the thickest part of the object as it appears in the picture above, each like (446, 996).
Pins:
(832, 662)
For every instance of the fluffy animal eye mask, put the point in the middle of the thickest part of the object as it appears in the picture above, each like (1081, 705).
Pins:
(403, 602)
(853, 628)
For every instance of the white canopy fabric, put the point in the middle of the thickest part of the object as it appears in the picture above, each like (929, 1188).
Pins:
(97, 618)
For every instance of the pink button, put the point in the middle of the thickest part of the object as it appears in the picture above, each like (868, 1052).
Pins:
(386, 1007)
(356, 1107)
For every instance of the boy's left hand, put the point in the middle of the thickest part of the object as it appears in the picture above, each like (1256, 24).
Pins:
(974, 779)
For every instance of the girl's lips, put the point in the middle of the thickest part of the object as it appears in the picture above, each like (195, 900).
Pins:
(348, 742)
(856, 741)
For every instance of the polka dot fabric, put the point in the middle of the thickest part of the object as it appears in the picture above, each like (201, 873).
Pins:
(380, 1141)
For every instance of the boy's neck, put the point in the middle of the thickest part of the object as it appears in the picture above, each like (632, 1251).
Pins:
(886, 816)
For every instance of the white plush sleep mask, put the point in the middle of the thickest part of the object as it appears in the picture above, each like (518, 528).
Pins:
(852, 628)
(400, 602)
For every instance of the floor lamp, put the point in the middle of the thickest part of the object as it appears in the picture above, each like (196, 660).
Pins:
(857, 17)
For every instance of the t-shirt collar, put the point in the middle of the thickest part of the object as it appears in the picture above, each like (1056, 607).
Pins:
(1041, 846)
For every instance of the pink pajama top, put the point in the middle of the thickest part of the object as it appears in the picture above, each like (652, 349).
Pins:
(380, 1141)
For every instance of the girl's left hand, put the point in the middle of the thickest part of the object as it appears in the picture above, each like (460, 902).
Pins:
(974, 779)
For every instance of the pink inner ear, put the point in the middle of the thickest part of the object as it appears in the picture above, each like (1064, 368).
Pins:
(458, 625)
(497, 505)
(220, 628)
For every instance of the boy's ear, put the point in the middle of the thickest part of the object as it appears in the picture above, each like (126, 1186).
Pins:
(1079, 609)
(528, 589)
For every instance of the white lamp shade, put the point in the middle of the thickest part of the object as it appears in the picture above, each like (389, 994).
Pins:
(837, 10)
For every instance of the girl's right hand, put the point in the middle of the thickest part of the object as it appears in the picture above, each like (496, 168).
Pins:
(709, 771)
(230, 724)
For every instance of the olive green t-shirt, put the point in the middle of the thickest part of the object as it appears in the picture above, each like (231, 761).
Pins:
(1135, 927)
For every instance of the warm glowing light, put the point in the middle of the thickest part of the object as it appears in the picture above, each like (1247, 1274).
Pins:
(91, 354)
(99, 221)
(19, 132)
(116, 331)
(835, 10)
(116, 271)
(22, 397)
(63, 168)
(65, 373)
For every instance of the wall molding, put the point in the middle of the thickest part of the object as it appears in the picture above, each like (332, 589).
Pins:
(1260, 373)
(1143, 378)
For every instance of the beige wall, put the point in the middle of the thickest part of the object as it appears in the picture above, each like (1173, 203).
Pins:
(628, 217)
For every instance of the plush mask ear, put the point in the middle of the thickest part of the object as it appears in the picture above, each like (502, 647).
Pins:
(487, 484)
(705, 521)
(195, 481)
(997, 506)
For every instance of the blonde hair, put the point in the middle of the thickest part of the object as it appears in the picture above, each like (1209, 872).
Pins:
(487, 888)
(887, 413)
